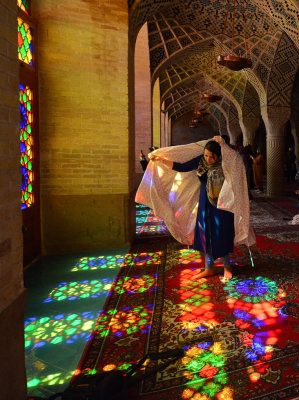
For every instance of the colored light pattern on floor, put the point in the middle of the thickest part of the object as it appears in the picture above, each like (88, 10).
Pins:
(91, 263)
(125, 322)
(194, 293)
(190, 256)
(25, 42)
(205, 372)
(24, 5)
(142, 259)
(141, 215)
(137, 284)
(147, 223)
(153, 229)
(26, 145)
(79, 290)
(59, 328)
(153, 219)
(58, 378)
(254, 290)
(255, 303)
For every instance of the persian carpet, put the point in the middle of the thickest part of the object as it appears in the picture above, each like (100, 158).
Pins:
(241, 339)
(271, 216)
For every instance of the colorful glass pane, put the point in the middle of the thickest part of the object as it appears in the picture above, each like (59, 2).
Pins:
(25, 42)
(24, 5)
(26, 145)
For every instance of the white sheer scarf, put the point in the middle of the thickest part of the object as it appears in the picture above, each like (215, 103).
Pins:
(174, 195)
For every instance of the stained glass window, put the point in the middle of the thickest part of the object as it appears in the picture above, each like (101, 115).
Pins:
(25, 42)
(26, 139)
(24, 5)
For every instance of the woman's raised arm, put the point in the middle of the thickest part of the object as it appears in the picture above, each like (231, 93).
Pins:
(167, 163)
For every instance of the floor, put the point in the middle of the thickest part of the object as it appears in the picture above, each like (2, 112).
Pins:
(66, 294)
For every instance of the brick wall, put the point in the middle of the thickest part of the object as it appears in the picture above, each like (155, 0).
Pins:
(83, 96)
(83, 89)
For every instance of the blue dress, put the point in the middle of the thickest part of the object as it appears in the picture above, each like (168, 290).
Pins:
(214, 230)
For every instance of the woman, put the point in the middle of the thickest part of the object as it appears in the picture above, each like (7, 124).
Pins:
(258, 171)
(203, 199)
(214, 229)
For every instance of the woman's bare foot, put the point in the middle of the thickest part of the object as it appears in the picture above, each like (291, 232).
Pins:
(207, 272)
(227, 275)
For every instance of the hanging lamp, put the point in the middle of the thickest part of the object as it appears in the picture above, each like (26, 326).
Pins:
(233, 62)
(200, 110)
(197, 118)
(210, 96)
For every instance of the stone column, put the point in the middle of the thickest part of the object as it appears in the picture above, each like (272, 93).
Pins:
(169, 125)
(156, 114)
(234, 131)
(249, 127)
(275, 119)
(166, 130)
(162, 129)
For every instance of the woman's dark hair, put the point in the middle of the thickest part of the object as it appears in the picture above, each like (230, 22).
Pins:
(213, 147)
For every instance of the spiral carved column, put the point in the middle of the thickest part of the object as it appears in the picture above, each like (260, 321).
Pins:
(249, 127)
(275, 119)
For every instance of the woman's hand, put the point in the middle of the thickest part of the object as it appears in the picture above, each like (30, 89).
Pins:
(167, 163)
(219, 140)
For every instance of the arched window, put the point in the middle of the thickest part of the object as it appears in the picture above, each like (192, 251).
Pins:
(28, 130)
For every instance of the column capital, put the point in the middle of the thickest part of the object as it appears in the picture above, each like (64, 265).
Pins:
(275, 116)
(249, 127)
(234, 130)
(251, 123)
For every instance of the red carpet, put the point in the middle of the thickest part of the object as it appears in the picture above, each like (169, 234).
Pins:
(240, 338)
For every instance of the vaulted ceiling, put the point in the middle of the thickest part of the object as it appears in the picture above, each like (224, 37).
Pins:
(185, 37)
